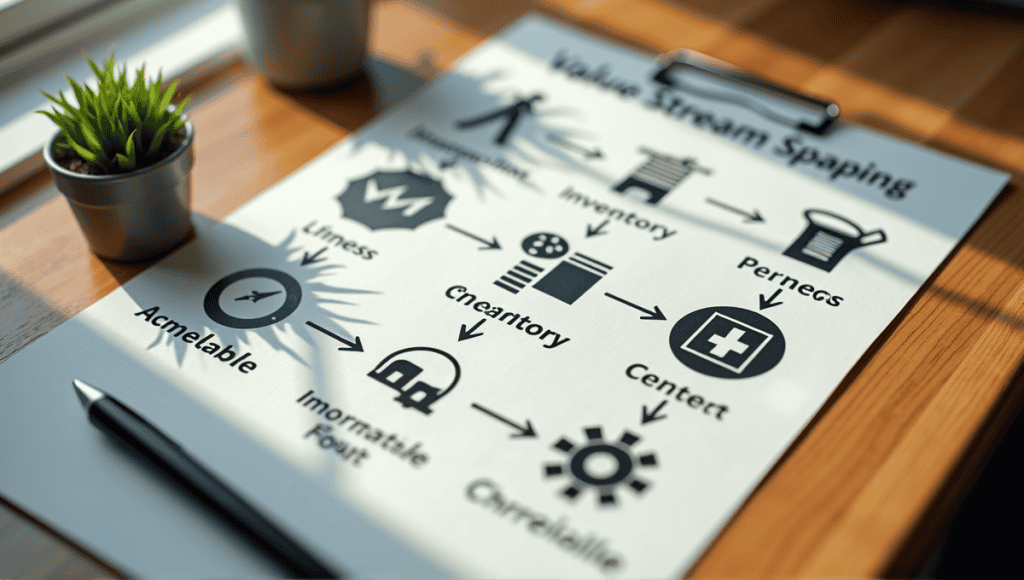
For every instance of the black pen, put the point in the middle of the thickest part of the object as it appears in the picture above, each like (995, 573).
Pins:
(113, 417)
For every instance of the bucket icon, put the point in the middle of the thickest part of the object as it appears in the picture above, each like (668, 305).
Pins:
(828, 238)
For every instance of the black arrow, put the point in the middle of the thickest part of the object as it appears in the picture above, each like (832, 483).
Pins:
(308, 259)
(767, 303)
(492, 245)
(751, 217)
(468, 334)
(523, 431)
(653, 416)
(655, 315)
(356, 346)
(598, 230)
(565, 143)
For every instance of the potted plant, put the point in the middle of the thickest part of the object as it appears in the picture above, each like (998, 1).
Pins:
(123, 158)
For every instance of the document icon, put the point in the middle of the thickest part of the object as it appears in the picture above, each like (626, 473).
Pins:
(572, 278)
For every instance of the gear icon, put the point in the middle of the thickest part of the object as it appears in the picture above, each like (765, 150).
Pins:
(602, 465)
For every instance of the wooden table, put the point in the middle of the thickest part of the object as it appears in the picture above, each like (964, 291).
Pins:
(868, 486)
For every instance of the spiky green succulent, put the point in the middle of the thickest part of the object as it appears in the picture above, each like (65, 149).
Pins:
(118, 127)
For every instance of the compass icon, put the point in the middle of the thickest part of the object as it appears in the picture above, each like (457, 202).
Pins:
(252, 298)
(602, 465)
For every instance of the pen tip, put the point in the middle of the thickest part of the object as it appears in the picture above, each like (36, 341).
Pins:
(87, 394)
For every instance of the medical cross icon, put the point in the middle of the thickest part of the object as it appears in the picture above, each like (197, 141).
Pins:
(718, 341)
(727, 342)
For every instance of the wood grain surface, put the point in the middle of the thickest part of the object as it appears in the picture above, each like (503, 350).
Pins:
(870, 483)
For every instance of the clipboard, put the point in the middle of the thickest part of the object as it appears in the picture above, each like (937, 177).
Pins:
(772, 101)
(678, 340)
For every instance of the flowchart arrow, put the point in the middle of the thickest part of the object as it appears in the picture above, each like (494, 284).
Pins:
(308, 259)
(356, 346)
(564, 143)
(767, 303)
(751, 217)
(523, 431)
(598, 230)
(656, 314)
(468, 334)
(488, 245)
(653, 416)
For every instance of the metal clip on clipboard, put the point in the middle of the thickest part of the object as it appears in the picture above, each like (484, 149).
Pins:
(709, 78)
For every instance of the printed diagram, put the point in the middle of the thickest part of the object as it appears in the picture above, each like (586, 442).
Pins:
(602, 465)
(418, 362)
(394, 200)
(727, 342)
(567, 281)
(828, 238)
(510, 116)
(659, 175)
(252, 298)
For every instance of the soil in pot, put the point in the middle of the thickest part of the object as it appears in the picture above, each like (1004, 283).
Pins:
(70, 160)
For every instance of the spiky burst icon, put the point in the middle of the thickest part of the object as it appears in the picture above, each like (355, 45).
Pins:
(602, 465)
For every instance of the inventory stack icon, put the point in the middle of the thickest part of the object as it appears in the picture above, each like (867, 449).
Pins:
(660, 174)
(567, 281)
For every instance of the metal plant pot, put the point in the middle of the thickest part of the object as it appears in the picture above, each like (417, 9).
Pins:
(305, 44)
(134, 216)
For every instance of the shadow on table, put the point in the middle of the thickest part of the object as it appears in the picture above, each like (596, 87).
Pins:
(26, 316)
(979, 544)
(351, 105)
(31, 549)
